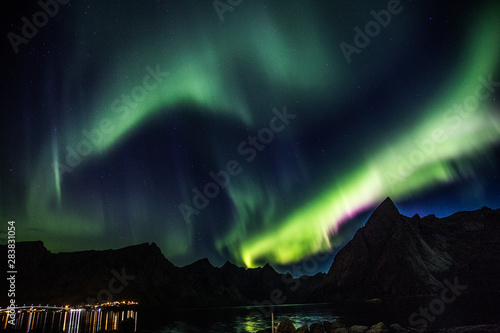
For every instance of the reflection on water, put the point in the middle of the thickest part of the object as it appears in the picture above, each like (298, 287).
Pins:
(240, 319)
(72, 320)
(237, 319)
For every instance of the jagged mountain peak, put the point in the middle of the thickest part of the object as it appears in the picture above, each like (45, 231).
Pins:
(203, 264)
(384, 216)
(268, 268)
(229, 266)
(396, 255)
(387, 207)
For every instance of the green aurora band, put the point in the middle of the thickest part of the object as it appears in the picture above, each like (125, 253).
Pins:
(312, 228)
(204, 78)
(208, 80)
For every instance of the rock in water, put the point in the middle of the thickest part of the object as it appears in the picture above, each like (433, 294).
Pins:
(358, 329)
(396, 328)
(378, 328)
(285, 327)
(302, 329)
(317, 328)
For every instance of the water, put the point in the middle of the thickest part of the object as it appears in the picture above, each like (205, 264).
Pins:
(72, 320)
(217, 320)
(239, 319)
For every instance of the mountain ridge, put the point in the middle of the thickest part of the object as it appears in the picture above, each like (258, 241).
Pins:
(147, 276)
(392, 257)
(419, 245)
(405, 264)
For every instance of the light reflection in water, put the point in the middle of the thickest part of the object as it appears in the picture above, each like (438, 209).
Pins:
(239, 319)
(71, 320)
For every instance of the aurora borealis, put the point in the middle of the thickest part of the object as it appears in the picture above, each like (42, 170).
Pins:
(115, 114)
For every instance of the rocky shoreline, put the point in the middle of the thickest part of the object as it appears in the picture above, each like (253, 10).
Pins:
(287, 326)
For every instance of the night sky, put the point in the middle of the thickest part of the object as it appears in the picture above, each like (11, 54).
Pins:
(262, 132)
